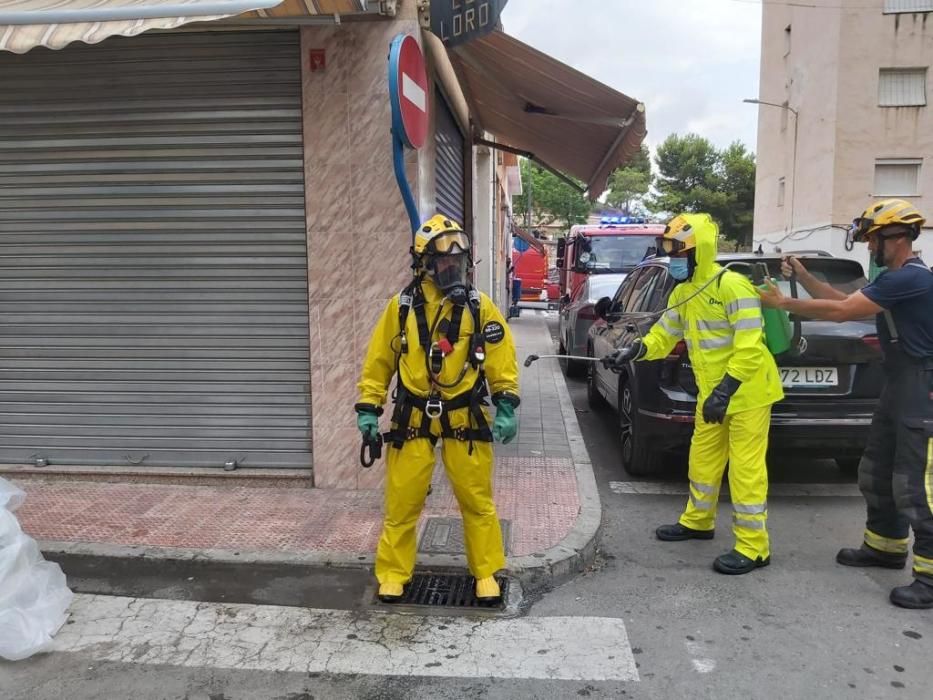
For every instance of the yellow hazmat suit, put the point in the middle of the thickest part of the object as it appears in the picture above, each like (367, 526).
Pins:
(468, 459)
(723, 330)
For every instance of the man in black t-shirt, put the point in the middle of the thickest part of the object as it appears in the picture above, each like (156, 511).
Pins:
(896, 471)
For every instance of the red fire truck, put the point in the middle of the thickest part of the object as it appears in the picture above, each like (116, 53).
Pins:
(616, 245)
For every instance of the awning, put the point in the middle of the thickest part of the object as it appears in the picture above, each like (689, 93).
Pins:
(26, 24)
(539, 106)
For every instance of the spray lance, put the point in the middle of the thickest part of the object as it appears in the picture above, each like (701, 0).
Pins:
(778, 336)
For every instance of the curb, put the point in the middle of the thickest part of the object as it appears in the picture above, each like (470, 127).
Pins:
(536, 572)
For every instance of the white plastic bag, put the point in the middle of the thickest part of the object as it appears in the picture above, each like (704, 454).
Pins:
(34, 596)
(11, 495)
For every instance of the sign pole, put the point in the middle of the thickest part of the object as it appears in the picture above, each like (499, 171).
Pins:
(408, 93)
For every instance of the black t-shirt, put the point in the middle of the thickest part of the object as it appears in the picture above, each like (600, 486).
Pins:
(907, 293)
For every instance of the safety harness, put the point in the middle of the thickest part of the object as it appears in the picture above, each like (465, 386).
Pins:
(433, 407)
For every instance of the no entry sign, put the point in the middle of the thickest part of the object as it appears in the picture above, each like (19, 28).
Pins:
(408, 91)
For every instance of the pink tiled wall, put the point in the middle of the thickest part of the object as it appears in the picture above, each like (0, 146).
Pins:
(358, 231)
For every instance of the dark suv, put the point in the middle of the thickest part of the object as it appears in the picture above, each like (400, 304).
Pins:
(832, 375)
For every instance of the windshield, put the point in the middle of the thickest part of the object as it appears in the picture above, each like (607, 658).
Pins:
(612, 253)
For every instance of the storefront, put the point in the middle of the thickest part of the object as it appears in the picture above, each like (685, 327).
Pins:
(200, 225)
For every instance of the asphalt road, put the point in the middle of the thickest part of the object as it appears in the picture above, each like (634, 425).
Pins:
(647, 620)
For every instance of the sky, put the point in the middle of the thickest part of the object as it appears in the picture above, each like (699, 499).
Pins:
(691, 62)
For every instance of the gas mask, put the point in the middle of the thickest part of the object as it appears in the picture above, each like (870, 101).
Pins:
(450, 274)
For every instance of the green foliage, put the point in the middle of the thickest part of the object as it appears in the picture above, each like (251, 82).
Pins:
(694, 176)
(631, 183)
(552, 199)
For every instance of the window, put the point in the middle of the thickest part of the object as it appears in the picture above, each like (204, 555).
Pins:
(781, 188)
(897, 177)
(897, 6)
(902, 87)
(644, 288)
(625, 291)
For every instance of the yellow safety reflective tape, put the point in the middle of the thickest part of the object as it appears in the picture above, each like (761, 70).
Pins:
(701, 505)
(922, 565)
(929, 474)
(715, 343)
(750, 509)
(886, 544)
(750, 524)
(703, 488)
(747, 324)
(746, 303)
(714, 325)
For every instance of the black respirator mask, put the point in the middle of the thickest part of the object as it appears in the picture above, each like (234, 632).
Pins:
(450, 273)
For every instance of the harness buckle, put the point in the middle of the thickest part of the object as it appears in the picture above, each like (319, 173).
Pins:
(434, 408)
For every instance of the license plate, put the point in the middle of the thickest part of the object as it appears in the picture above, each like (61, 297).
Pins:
(792, 377)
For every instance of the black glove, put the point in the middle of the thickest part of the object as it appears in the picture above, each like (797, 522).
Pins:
(714, 408)
(619, 359)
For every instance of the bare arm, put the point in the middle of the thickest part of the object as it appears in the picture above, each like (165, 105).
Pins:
(849, 308)
(815, 288)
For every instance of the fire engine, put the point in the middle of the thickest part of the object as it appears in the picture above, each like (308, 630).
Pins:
(616, 245)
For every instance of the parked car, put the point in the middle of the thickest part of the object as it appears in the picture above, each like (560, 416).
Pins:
(832, 376)
(578, 314)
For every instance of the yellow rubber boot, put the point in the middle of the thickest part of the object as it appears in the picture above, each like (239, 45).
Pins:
(390, 592)
(487, 590)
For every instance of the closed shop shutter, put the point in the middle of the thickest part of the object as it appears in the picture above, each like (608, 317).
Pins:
(153, 261)
(450, 162)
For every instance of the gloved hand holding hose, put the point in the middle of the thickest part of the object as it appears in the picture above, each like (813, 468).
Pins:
(368, 423)
(619, 359)
(367, 420)
(717, 403)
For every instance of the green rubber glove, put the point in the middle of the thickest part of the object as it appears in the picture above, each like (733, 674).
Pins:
(505, 427)
(368, 423)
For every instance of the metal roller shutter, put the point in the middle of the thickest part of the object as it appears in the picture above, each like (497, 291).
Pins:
(153, 261)
(450, 162)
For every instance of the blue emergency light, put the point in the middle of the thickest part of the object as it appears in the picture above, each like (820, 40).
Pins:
(616, 220)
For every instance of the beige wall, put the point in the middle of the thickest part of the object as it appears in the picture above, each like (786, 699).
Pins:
(358, 231)
(833, 65)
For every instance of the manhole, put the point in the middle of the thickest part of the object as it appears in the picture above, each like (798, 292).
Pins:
(445, 536)
(448, 591)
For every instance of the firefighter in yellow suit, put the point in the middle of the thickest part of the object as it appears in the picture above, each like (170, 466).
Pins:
(450, 347)
(718, 313)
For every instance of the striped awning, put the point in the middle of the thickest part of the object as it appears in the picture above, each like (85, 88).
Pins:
(26, 24)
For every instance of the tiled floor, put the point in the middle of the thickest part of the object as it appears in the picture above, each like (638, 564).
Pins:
(535, 489)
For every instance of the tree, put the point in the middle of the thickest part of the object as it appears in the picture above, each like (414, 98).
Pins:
(694, 176)
(552, 199)
(630, 184)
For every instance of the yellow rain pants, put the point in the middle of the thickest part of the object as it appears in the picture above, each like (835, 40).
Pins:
(742, 440)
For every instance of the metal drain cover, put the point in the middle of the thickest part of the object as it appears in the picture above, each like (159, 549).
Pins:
(448, 591)
(445, 536)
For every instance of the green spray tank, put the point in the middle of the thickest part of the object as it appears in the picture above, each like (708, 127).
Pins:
(780, 336)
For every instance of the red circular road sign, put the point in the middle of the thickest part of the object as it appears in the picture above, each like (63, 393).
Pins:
(409, 91)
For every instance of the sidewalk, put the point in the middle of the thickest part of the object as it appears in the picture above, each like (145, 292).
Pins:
(544, 486)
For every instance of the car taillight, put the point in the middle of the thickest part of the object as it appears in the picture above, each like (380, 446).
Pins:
(872, 341)
(679, 351)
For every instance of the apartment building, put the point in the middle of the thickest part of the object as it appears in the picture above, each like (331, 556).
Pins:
(843, 119)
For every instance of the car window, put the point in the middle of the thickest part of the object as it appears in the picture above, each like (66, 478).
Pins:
(644, 287)
(603, 286)
(620, 301)
(662, 291)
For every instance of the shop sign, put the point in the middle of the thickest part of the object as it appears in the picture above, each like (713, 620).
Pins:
(459, 21)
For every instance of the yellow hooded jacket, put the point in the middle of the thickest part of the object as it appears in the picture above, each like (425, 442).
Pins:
(501, 365)
(724, 332)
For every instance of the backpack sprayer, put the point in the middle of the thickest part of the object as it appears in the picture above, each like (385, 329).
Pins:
(777, 326)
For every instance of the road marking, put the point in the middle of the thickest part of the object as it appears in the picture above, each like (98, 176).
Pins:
(701, 664)
(273, 638)
(660, 488)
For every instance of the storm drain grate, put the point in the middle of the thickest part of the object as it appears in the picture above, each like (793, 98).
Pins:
(447, 591)
(445, 536)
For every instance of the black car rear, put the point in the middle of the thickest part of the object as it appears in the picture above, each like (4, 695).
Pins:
(832, 375)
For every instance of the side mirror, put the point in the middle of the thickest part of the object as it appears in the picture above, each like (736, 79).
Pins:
(602, 307)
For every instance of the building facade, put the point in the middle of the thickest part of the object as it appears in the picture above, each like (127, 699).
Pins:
(200, 225)
(849, 120)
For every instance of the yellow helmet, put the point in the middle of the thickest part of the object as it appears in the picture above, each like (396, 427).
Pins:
(440, 235)
(888, 213)
(681, 233)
